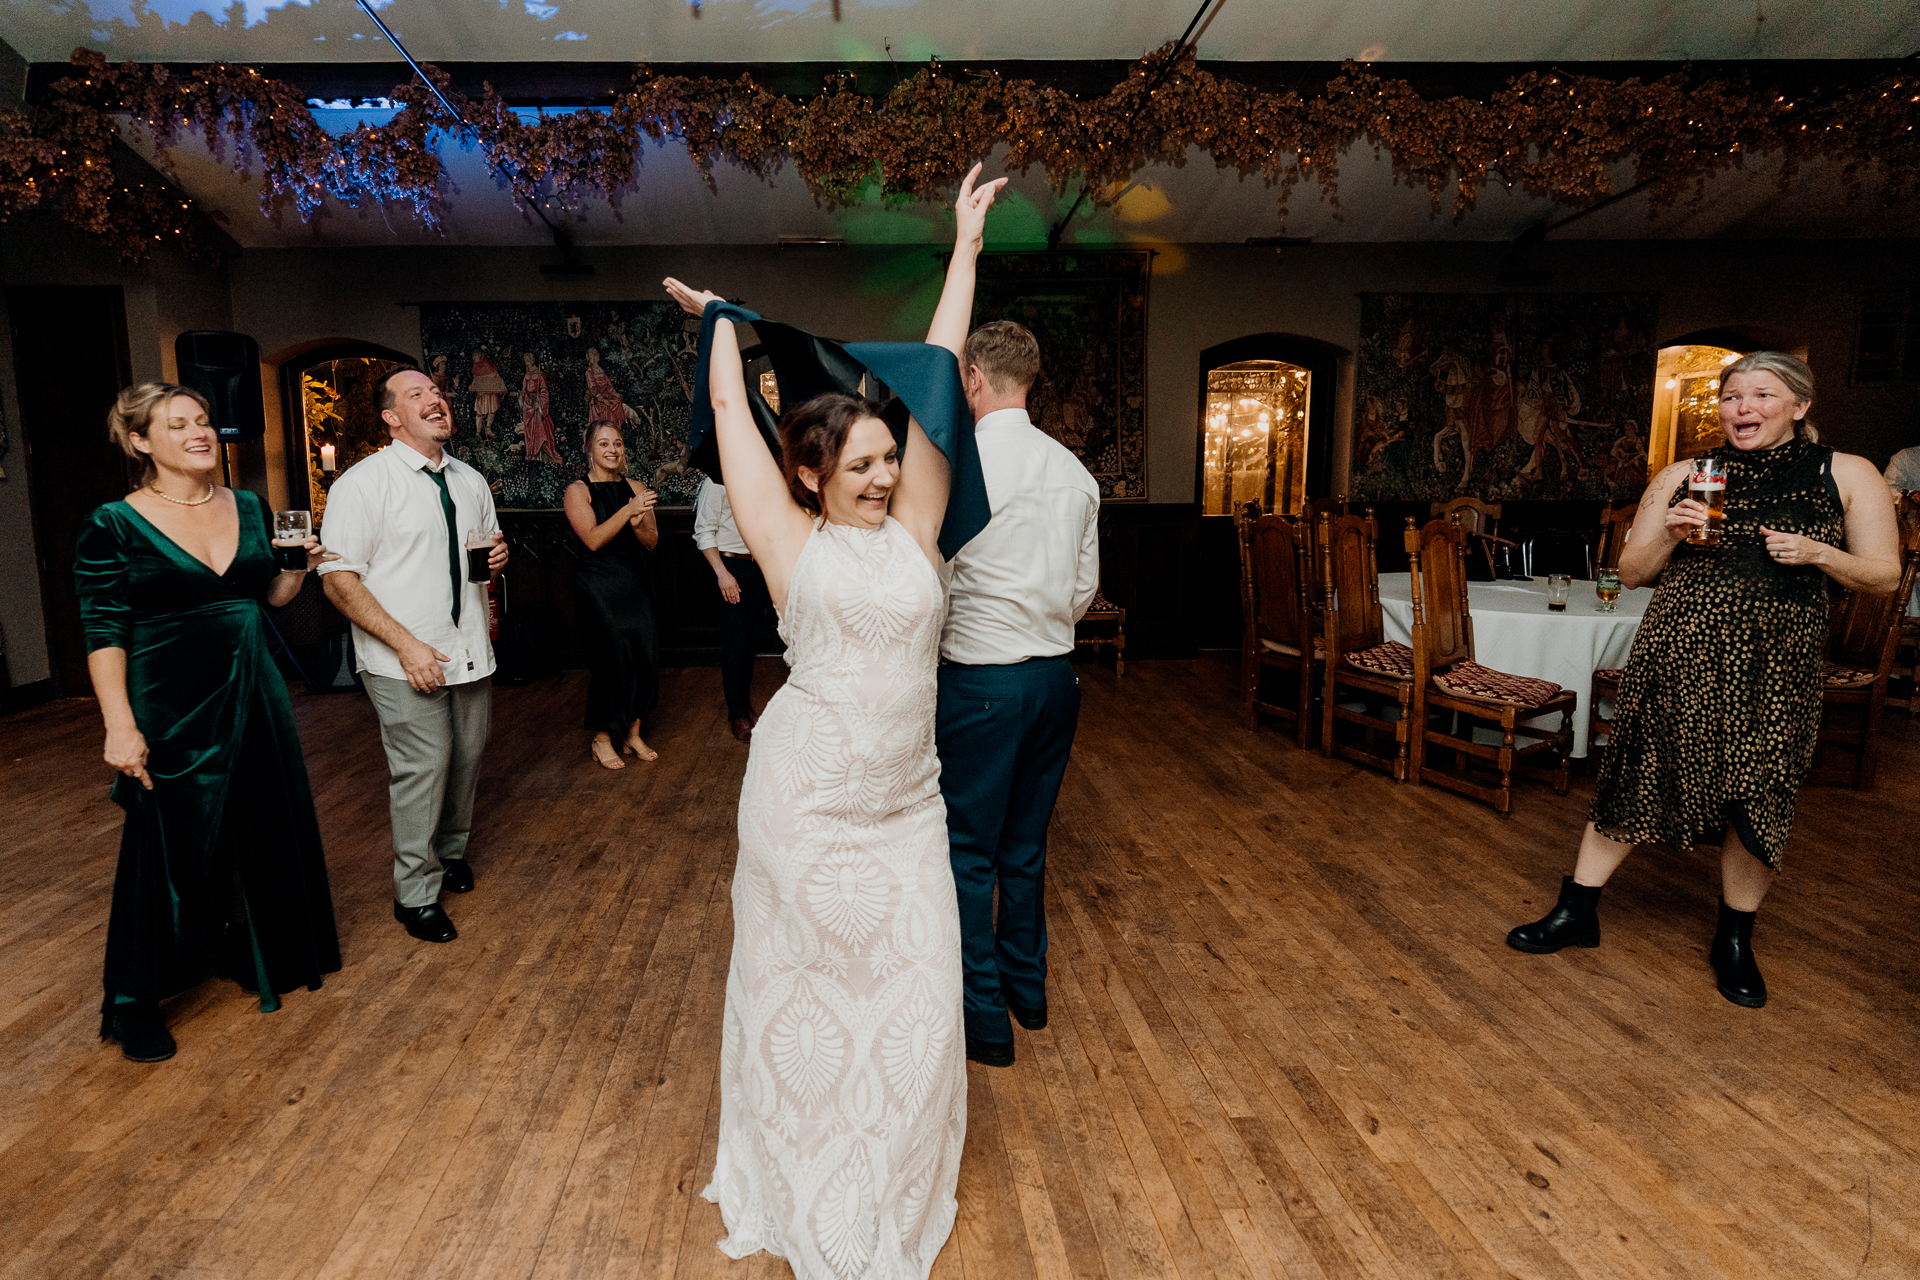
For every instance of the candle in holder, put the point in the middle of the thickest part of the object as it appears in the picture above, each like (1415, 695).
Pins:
(326, 457)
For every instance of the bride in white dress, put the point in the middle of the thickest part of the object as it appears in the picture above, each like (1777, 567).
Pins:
(843, 1088)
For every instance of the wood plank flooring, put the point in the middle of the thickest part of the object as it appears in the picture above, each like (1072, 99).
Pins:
(1287, 1039)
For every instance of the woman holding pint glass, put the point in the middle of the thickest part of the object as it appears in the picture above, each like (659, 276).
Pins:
(221, 870)
(1719, 707)
(613, 517)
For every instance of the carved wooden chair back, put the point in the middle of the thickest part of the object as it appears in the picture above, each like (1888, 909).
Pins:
(1615, 524)
(1317, 507)
(1865, 629)
(1277, 582)
(1442, 624)
(1351, 573)
(1474, 515)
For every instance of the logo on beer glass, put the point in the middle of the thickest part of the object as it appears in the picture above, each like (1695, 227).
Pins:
(1707, 485)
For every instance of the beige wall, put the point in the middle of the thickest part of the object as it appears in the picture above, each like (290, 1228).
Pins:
(1202, 295)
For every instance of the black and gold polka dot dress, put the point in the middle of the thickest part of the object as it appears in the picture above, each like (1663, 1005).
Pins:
(1719, 708)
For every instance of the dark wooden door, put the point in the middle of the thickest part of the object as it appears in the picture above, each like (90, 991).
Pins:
(70, 360)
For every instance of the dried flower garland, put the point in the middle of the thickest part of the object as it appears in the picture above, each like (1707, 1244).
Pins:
(1553, 135)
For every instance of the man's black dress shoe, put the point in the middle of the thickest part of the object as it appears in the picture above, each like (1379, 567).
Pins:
(428, 923)
(1031, 1019)
(990, 1053)
(142, 1035)
(456, 876)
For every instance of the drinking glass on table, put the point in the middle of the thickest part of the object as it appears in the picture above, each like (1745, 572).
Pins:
(291, 529)
(1606, 585)
(1558, 585)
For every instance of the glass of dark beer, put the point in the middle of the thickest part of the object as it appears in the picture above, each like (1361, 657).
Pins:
(1707, 485)
(291, 529)
(1558, 585)
(478, 549)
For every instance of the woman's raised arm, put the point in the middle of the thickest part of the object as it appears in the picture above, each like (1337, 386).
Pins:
(771, 523)
(920, 499)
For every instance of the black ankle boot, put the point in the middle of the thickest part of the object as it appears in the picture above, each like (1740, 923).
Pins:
(1573, 922)
(1732, 959)
(142, 1035)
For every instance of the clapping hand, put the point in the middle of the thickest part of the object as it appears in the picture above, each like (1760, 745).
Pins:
(692, 301)
(641, 505)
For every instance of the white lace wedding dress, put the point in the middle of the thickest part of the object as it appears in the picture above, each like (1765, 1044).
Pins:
(843, 1089)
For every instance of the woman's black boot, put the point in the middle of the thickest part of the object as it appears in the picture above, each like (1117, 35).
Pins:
(1573, 922)
(1732, 959)
(142, 1035)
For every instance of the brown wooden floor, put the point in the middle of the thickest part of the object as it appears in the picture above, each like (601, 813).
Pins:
(1287, 1039)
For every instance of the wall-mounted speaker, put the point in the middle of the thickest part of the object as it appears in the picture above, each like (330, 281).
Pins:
(225, 368)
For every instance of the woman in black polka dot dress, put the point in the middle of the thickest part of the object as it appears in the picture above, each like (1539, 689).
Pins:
(1720, 703)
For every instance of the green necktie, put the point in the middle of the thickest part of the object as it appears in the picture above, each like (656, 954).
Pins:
(453, 541)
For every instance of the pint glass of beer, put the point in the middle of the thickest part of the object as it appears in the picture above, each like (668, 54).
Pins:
(291, 529)
(1707, 485)
(478, 550)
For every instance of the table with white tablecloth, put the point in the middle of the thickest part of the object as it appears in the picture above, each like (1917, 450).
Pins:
(1513, 631)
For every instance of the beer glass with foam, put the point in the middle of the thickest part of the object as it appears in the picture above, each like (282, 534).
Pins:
(1707, 485)
(291, 529)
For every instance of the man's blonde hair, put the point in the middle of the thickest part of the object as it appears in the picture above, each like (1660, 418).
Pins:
(1006, 352)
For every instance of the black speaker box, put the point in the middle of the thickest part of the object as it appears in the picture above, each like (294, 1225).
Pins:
(225, 368)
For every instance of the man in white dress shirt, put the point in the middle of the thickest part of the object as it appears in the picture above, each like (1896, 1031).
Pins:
(743, 597)
(1009, 701)
(400, 522)
(1903, 470)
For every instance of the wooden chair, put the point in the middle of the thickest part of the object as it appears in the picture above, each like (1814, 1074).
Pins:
(1906, 656)
(1615, 524)
(1448, 680)
(1606, 684)
(1279, 631)
(1335, 506)
(1359, 657)
(1480, 519)
(1861, 641)
(1475, 516)
(1104, 612)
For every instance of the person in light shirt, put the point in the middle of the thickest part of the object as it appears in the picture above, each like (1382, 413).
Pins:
(1009, 701)
(743, 601)
(1903, 470)
(400, 522)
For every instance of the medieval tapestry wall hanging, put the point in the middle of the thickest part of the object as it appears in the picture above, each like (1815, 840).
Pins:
(1089, 312)
(1503, 396)
(529, 380)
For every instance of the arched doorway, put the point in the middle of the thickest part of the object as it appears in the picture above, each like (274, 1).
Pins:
(329, 395)
(1686, 388)
(1266, 423)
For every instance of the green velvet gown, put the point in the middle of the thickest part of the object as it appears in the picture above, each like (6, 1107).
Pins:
(221, 869)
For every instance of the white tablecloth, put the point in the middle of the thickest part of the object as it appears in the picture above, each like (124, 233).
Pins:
(1514, 632)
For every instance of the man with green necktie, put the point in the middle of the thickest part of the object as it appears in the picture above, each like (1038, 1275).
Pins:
(400, 522)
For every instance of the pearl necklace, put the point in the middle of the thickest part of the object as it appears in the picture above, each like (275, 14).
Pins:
(184, 502)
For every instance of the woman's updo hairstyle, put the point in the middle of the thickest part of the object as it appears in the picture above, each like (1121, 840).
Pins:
(132, 414)
(1789, 369)
(812, 434)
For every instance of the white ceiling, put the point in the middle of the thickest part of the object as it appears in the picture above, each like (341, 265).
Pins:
(914, 30)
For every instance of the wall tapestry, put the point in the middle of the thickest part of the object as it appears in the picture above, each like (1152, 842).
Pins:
(1089, 311)
(1503, 396)
(528, 379)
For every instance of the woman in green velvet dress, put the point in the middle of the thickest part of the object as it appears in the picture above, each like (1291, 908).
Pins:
(221, 869)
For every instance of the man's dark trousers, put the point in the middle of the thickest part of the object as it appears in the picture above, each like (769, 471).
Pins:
(1004, 734)
(738, 624)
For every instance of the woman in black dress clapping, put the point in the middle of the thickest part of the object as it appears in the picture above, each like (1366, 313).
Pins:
(613, 516)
